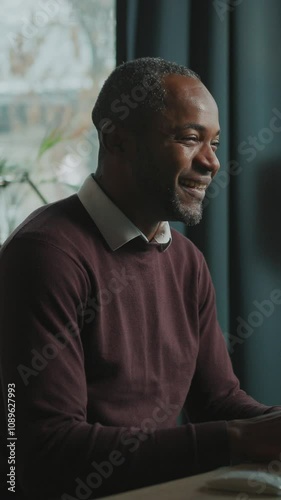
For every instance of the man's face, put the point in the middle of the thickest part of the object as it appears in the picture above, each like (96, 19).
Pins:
(176, 154)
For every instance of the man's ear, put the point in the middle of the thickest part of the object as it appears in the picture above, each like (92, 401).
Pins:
(115, 139)
(118, 140)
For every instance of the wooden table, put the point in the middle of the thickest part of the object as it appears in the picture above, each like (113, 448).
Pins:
(190, 488)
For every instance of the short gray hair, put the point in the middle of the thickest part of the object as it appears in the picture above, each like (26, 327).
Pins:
(134, 89)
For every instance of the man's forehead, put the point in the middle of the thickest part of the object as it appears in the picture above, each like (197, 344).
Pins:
(181, 88)
(188, 100)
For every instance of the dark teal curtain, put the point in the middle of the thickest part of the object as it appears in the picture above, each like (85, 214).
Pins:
(235, 46)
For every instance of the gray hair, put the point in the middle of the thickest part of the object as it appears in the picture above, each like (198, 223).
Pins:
(133, 90)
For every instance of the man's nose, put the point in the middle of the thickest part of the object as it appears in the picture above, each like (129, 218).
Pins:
(207, 159)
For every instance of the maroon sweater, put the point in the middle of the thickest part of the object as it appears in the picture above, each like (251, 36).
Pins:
(105, 349)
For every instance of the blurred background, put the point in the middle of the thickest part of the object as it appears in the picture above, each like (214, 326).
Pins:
(55, 55)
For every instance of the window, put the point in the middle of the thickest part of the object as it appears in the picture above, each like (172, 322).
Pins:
(55, 55)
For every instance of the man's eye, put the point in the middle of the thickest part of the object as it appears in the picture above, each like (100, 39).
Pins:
(189, 138)
(216, 144)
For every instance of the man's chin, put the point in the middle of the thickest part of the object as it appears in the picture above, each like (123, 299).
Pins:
(190, 214)
(190, 219)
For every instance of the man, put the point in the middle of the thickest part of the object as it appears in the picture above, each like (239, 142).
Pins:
(108, 321)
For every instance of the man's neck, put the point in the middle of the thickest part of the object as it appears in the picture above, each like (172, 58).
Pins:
(128, 205)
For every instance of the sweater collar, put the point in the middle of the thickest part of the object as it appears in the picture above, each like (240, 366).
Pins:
(113, 224)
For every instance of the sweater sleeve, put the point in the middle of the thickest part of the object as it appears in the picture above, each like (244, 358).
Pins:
(215, 392)
(58, 452)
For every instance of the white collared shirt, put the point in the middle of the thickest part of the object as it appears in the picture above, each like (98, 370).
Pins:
(113, 224)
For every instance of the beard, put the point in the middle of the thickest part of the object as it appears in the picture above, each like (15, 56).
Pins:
(148, 178)
(190, 214)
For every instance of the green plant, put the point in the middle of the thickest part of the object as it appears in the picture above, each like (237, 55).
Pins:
(13, 175)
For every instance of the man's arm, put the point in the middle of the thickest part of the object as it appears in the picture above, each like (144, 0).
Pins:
(215, 392)
(254, 430)
(256, 439)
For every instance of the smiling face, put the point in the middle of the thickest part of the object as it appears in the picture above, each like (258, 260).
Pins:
(176, 154)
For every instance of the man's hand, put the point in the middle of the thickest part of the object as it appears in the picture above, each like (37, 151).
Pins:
(256, 439)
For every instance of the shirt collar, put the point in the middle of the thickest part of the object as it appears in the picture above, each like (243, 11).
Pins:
(113, 224)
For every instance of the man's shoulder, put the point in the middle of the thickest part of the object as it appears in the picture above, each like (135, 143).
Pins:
(64, 225)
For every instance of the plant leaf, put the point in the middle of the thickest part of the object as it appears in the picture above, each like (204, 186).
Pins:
(50, 140)
(5, 168)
